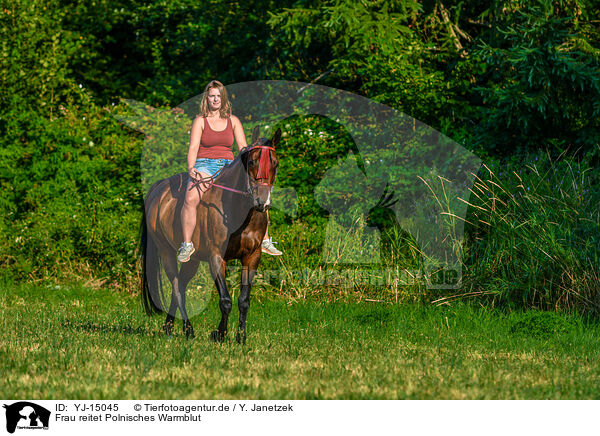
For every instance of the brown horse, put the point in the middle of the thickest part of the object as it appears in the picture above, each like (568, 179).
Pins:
(231, 223)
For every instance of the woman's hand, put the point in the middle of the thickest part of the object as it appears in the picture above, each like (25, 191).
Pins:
(193, 173)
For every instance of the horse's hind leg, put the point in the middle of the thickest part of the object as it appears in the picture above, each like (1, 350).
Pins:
(187, 272)
(177, 297)
(170, 321)
(172, 275)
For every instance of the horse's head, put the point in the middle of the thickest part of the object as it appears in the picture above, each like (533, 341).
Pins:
(261, 164)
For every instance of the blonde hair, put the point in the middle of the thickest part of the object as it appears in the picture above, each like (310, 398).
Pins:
(225, 110)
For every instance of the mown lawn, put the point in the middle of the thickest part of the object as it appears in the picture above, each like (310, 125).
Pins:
(75, 343)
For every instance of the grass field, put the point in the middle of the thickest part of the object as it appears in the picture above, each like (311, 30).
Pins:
(75, 343)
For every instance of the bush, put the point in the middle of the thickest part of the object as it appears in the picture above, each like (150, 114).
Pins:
(73, 199)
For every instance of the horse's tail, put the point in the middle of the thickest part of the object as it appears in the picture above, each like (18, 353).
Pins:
(152, 288)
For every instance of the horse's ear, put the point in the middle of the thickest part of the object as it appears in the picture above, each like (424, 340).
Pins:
(276, 138)
(255, 134)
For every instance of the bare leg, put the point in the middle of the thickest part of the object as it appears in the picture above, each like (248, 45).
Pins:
(267, 232)
(267, 243)
(190, 206)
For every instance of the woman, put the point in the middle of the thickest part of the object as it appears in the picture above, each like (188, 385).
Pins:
(211, 139)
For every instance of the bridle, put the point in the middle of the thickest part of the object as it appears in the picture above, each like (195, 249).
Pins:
(264, 166)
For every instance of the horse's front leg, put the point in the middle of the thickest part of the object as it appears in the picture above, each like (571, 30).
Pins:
(249, 266)
(218, 269)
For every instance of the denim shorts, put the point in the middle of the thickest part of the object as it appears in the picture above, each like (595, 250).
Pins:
(210, 166)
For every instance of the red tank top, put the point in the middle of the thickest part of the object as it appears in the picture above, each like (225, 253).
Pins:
(216, 144)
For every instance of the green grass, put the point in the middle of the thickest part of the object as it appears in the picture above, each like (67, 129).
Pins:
(75, 343)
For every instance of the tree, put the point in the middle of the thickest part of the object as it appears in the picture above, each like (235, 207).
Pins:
(541, 85)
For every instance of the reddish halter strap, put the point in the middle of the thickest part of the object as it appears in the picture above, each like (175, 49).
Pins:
(264, 163)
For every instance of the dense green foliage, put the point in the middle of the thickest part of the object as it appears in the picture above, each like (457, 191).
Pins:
(541, 86)
(503, 78)
(508, 76)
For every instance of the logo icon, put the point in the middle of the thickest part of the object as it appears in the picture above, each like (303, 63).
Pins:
(26, 415)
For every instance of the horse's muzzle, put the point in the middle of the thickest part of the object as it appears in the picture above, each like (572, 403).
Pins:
(262, 198)
(262, 207)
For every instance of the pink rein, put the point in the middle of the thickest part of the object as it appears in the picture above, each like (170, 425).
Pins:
(263, 172)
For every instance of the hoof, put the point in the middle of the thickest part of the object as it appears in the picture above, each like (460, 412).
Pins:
(240, 337)
(168, 328)
(217, 336)
(188, 330)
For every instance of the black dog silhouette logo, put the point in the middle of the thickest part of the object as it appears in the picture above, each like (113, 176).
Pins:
(26, 415)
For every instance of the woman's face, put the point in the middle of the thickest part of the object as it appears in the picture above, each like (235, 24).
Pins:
(214, 99)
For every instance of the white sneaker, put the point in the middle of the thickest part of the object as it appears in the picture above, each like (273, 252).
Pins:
(269, 248)
(185, 251)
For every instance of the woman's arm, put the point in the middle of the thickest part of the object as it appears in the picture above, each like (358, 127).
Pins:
(238, 133)
(195, 135)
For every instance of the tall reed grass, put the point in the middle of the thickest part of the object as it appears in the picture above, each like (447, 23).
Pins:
(534, 237)
(531, 240)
